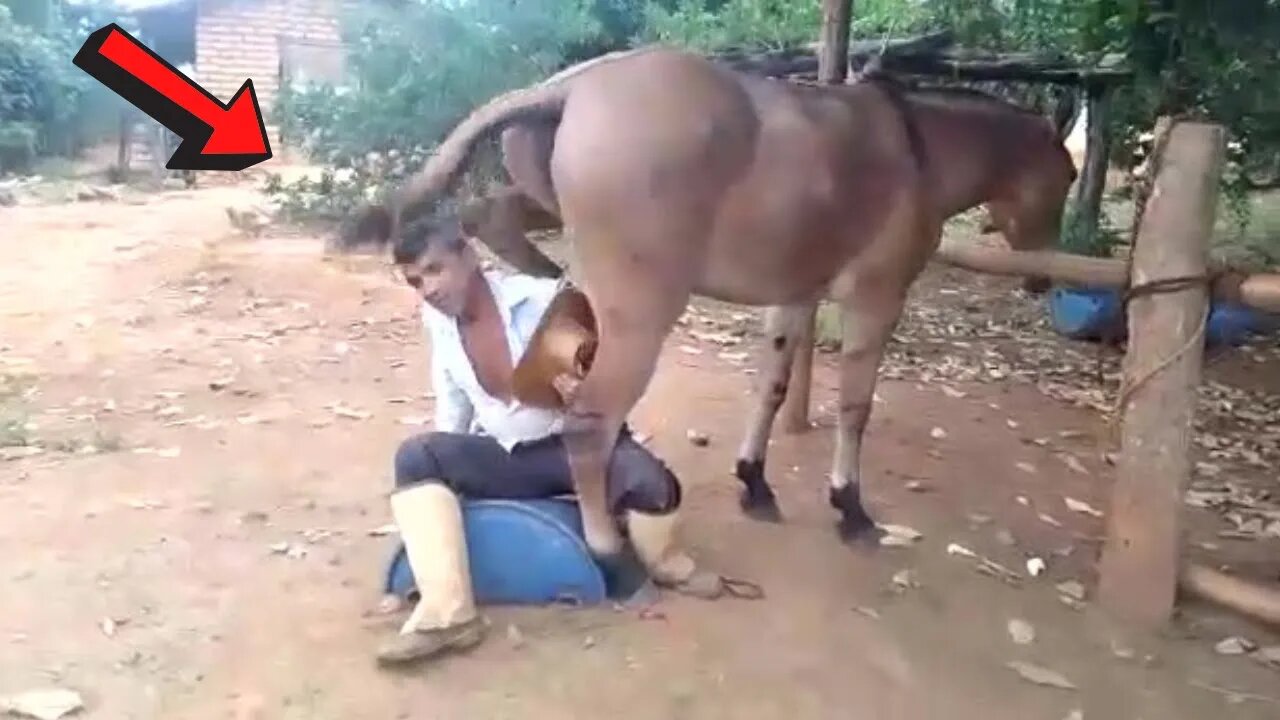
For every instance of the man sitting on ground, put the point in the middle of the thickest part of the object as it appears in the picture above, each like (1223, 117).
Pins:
(479, 324)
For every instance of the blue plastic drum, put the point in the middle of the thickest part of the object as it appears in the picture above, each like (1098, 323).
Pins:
(522, 552)
(1086, 314)
(1095, 313)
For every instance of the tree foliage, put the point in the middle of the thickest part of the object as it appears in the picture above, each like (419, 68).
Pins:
(420, 65)
(47, 105)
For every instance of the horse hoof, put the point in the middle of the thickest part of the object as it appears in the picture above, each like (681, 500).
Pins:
(760, 506)
(757, 500)
(624, 573)
(856, 528)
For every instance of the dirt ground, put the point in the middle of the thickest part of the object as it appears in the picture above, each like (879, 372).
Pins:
(201, 396)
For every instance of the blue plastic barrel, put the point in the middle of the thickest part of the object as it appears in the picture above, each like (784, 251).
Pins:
(521, 552)
(1096, 313)
(1087, 314)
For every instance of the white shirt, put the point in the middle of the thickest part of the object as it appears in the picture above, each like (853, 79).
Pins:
(460, 399)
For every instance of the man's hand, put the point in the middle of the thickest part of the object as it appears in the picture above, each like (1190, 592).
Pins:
(567, 386)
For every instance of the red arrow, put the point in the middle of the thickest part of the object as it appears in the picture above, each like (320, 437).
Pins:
(215, 136)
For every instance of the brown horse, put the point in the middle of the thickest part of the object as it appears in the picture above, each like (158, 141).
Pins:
(677, 176)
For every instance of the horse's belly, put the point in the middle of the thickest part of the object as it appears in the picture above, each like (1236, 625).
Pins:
(778, 239)
(761, 268)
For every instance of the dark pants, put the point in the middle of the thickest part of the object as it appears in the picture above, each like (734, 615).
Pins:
(476, 466)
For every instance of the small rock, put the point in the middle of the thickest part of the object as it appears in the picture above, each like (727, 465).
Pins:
(869, 612)
(588, 642)
(1035, 566)
(1071, 589)
(1124, 652)
(1234, 645)
(917, 486)
(383, 530)
(899, 535)
(279, 548)
(1026, 467)
(42, 704)
(905, 579)
(698, 438)
(1040, 676)
(962, 551)
(1074, 463)
(256, 517)
(1021, 632)
(1268, 656)
(1076, 714)
(937, 433)
(1081, 506)
(515, 637)
(1004, 537)
(1048, 520)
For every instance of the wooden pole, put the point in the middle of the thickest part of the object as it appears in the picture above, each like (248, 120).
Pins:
(833, 68)
(1139, 565)
(795, 405)
(1059, 266)
(1093, 178)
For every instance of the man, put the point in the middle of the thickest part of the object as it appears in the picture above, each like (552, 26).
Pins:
(479, 324)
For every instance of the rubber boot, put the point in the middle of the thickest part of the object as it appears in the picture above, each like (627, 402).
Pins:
(430, 521)
(653, 538)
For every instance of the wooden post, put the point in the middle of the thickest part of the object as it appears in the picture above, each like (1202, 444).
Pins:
(1140, 561)
(795, 405)
(833, 68)
(1093, 178)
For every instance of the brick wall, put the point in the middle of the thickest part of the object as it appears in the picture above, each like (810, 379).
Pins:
(242, 39)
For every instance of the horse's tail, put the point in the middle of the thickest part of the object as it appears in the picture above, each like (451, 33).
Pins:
(544, 101)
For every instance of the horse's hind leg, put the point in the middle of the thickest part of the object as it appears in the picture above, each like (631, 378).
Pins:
(783, 325)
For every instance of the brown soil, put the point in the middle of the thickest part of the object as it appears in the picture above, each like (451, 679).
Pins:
(149, 327)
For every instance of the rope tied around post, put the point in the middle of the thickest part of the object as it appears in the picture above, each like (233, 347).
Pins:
(1152, 288)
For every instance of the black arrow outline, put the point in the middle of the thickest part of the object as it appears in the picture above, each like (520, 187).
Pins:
(195, 133)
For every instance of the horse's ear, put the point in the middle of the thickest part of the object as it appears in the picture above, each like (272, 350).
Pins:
(371, 226)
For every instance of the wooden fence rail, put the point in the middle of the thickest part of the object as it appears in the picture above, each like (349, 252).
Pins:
(1259, 291)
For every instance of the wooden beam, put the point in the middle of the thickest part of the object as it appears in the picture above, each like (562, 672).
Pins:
(1055, 265)
(1139, 567)
(805, 61)
(833, 68)
(1253, 600)
(1260, 291)
(1007, 68)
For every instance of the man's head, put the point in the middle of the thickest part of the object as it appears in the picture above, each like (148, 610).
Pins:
(437, 261)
